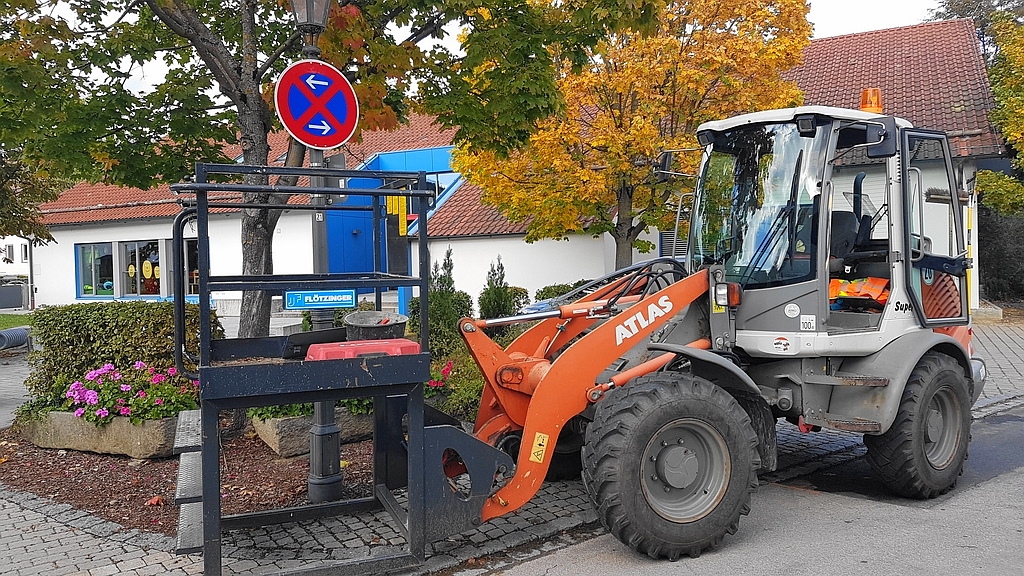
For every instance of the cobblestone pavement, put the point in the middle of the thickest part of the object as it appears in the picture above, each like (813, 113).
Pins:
(38, 536)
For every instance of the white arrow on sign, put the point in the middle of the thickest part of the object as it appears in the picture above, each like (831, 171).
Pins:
(323, 127)
(312, 82)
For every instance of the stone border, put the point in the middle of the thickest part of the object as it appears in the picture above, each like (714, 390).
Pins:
(63, 430)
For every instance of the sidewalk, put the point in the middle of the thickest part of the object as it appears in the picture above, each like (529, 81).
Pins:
(38, 536)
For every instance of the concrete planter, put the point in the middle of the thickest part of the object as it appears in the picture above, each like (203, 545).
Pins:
(289, 436)
(150, 439)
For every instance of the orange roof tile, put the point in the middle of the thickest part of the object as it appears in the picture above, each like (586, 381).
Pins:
(463, 214)
(932, 74)
(87, 202)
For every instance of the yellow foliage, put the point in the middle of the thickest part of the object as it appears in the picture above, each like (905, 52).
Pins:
(636, 97)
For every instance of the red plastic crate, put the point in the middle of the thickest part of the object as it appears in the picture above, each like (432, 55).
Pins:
(358, 348)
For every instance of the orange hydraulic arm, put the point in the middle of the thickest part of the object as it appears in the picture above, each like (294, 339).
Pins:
(528, 392)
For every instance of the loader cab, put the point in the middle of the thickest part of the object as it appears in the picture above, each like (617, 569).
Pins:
(835, 222)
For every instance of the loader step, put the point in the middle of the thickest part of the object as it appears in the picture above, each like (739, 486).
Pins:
(188, 435)
(190, 529)
(190, 478)
(849, 423)
(846, 380)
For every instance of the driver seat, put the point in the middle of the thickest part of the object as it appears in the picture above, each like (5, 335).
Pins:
(844, 227)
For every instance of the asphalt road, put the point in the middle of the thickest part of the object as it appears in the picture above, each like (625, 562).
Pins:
(841, 521)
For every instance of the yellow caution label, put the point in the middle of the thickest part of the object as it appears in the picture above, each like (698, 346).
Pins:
(717, 308)
(540, 446)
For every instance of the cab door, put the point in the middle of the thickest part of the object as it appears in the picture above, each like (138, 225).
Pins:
(933, 234)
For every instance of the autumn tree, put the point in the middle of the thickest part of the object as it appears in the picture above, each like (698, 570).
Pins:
(221, 58)
(591, 168)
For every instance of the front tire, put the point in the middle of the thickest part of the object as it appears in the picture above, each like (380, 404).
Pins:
(669, 462)
(923, 452)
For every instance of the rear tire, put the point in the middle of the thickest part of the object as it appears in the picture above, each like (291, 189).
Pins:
(669, 463)
(923, 452)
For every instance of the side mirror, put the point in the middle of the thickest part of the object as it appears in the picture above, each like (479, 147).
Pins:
(881, 134)
(664, 166)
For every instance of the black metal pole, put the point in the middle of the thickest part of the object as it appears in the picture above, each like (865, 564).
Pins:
(324, 483)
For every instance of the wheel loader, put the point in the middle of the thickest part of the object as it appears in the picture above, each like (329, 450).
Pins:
(823, 283)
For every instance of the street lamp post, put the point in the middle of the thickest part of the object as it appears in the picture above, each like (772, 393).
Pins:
(324, 483)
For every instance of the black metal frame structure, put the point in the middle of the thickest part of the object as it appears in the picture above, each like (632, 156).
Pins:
(241, 373)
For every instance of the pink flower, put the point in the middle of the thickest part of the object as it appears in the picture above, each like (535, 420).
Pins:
(139, 365)
(126, 388)
(92, 397)
(120, 401)
(92, 375)
(158, 401)
(80, 412)
(172, 371)
(141, 394)
(436, 383)
(102, 413)
(158, 378)
(125, 411)
(117, 376)
(447, 370)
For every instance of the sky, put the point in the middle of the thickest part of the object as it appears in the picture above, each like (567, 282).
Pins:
(838, 17)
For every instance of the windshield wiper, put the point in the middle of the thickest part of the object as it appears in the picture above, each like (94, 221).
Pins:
(768, 244)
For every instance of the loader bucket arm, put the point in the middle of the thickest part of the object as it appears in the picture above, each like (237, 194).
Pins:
(552, 392)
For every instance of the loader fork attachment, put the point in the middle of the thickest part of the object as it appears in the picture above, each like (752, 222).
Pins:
(528, 391)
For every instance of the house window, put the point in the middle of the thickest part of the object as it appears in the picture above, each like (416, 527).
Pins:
(95, 273)
(8, 254)
(24, 252)
(140, 268)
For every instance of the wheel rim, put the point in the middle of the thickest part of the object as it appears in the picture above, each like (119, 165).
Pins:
(686, 470)
(942, 428)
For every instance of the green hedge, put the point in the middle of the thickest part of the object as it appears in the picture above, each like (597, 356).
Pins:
(78, 338)
(554, 290)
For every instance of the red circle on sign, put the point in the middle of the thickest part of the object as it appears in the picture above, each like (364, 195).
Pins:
(316, 104)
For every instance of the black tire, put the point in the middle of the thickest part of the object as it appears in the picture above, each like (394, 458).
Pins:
(566, 460)
(923, 452)
(711, 450)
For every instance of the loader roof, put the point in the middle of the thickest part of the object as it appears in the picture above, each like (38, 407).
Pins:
(788, 114)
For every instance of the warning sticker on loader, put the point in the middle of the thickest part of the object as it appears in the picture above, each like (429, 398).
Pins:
(540, 446)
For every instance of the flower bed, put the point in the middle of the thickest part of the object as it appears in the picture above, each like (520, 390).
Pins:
(111, 411)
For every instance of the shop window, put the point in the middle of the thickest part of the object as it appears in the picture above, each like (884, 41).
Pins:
(95, 274)
(140, 268)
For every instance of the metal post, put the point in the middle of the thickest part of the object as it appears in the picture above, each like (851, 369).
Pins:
(324, 483)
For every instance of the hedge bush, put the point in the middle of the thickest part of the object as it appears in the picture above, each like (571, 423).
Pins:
(78, 338)
(555, 290)
(1000, 244)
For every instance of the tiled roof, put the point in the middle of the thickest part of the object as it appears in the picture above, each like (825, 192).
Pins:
(87, 202)
(463, 214)
(932, 74)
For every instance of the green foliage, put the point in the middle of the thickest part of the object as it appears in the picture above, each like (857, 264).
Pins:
(553, 290)
(1001, 241)
(79, 337)
(446, 306)
(498, 299)
(280, 411)
(463, 386)
(22, 189)
(138, 392)
(1002, 193)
